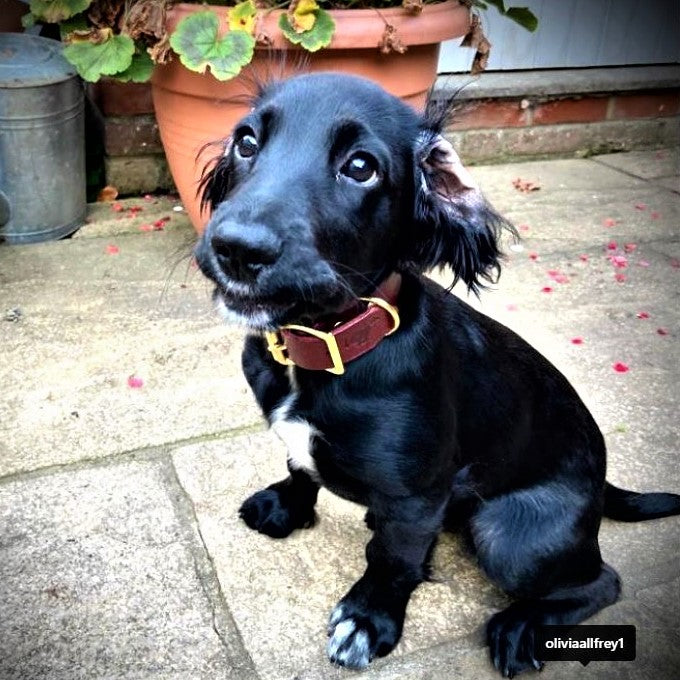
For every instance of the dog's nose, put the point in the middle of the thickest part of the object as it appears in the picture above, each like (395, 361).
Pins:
(244, 251)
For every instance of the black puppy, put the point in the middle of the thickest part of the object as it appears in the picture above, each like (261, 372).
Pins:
(429, 413)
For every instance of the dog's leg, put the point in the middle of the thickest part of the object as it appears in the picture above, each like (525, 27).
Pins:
(282, 507)
(289, 504)
(368, 621)
(540, 545)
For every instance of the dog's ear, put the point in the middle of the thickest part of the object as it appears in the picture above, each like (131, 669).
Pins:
(454, 225)
(216, 177)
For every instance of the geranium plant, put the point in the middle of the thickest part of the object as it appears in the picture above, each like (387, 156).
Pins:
(124, 39)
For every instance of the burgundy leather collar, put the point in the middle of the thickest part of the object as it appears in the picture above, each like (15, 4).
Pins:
(316, 349)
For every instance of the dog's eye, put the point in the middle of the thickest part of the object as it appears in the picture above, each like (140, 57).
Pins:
(246, 145)
(361, 168)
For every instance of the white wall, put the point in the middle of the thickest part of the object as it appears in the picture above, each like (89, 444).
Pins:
(574, 33)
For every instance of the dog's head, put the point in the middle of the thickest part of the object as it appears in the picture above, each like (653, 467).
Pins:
(323, 189)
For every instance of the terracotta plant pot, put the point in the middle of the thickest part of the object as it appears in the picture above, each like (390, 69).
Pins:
(193, 109)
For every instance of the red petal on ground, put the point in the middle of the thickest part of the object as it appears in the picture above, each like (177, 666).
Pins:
(620, 367)
(620, 277)
(583, 258)
(117, 207)
(675, 263)
(546, 289)
(577, 341)
(552, 273)
(655, 215)
(629, 247)
(612, 245)
(112, 250)
(662, 331)
(135, 381)
(609, 222)
(533, 256)
(642, 315)
(524, 227)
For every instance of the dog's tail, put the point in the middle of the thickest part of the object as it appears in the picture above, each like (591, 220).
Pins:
(630, 506)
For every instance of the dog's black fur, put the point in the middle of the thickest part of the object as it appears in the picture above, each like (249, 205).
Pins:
(325, 188)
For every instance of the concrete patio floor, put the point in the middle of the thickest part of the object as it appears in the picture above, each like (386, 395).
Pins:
(121, 553)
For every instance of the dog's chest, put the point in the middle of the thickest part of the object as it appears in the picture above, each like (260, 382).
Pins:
(297, 434)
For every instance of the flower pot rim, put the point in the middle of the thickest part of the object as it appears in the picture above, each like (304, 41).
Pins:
(357, 28)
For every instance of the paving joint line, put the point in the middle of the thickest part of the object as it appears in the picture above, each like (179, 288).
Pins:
(148, 453)
(206, 572)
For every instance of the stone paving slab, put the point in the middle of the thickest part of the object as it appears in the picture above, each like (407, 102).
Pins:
(88, 321)
(281, 591)
(645, 164)
(99, 580)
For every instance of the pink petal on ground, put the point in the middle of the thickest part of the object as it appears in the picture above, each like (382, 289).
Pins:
(655, 215)
(641, 206)
(112, 250)
(629, 247)
(620, 277)
(609, 222)
(117, 207)
(620, 367)
(577, 341)
(533, 256)
(511, 307)
(148, 198)
(642, 315)
(583, 258)
(619, 261)
(662, 331)
(146, 227)
(612, 245)
(675, 263)
(524, 227)
(135, 381)
(643, 263)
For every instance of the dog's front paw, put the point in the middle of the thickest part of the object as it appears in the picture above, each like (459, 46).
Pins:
(356, 637)
(275, 514)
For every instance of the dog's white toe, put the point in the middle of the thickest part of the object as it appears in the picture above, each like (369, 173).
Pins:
(349, 645)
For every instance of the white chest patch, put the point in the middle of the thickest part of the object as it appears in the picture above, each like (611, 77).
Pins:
(297, 434)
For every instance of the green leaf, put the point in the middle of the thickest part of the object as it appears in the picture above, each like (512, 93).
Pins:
(105, 59)
(199, 46)
(520, 15)
(318, 36)
(54, 11)
(28, 20)
(524, 17)
(75, 23)
(139, 70)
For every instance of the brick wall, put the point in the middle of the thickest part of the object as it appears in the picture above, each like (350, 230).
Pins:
(135, 162)
(503, 128)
